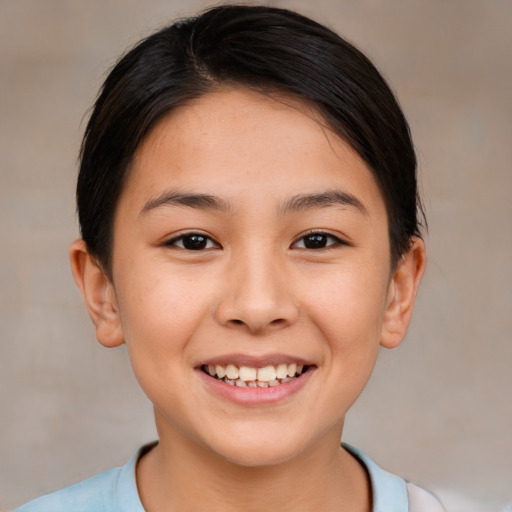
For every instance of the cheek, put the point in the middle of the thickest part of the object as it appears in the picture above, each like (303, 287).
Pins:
(348, 306)
(160, 311)
(159, 317)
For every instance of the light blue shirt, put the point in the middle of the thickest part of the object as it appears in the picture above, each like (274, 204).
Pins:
(115, 490)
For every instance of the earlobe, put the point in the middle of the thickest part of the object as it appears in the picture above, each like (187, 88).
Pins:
(401, 294)
(98, 293)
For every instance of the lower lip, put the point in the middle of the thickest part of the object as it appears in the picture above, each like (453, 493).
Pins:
(256, 396)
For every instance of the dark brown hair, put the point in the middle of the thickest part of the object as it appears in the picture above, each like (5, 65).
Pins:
(266, 48)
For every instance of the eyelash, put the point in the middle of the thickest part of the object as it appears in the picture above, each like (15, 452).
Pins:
(335, 241)
(204, 242)
(208, 241)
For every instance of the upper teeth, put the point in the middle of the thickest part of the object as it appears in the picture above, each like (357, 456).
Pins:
(266, 374)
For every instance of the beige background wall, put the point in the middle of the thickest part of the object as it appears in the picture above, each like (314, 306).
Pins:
(438, 410)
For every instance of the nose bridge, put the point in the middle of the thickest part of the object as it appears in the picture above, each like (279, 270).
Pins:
(257, 295)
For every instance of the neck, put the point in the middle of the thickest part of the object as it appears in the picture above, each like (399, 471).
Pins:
(180, 475)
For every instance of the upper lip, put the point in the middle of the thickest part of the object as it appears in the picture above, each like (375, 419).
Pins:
(253, 361)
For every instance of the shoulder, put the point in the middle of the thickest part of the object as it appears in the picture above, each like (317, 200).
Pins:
(93, 494)
(391, 492)
(421, 500)
(114, 490)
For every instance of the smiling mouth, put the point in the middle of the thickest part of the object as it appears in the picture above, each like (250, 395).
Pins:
(246, 376)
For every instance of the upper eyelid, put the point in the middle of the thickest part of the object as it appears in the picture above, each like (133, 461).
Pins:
(337, 237)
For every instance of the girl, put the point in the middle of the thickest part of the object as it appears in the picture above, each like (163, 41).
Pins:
(249, 218)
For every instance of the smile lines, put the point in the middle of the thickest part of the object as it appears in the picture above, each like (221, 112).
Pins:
(246, 376)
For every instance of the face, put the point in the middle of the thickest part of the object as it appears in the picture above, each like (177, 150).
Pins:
(251, 276)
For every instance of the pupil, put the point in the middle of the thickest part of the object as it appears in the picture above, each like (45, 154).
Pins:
(315, 241)
(194, 242)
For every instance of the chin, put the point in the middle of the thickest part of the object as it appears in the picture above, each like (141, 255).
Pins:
(258, 451)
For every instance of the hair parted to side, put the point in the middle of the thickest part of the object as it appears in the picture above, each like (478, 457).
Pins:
(269, 49)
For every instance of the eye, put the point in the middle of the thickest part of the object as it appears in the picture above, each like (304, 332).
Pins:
(193, 242)
(317, 241)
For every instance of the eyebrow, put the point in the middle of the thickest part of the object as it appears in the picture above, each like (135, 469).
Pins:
(297, 203)
(328, 198)
(191, 200)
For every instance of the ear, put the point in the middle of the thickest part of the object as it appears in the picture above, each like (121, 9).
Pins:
(99, 295)
(401, 294)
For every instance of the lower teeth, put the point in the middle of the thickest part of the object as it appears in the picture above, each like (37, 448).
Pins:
(256, 383)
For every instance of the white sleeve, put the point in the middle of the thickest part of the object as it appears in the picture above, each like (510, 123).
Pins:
(422, 501)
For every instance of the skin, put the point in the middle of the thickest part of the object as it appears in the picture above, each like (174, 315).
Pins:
(255, 290)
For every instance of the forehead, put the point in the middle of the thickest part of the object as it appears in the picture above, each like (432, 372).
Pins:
(241, 143)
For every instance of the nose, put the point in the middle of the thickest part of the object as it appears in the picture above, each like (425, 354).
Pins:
(257, 296)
